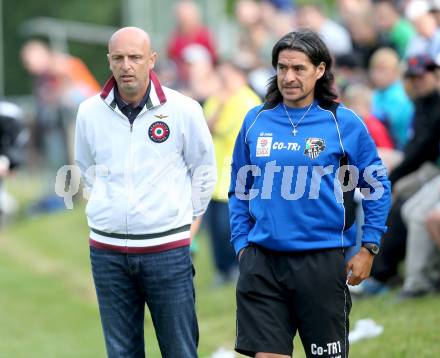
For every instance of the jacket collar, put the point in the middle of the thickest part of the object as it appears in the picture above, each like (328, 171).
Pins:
(157, 95)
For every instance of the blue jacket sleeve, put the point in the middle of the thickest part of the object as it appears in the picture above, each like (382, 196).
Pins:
(372, 181)
(241, 182)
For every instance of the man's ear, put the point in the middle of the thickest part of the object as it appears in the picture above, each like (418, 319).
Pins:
(153, 59)
(320, 70)
(108, 61)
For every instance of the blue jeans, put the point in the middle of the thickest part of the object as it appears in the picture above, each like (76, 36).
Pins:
(217, 217)
(164, 281)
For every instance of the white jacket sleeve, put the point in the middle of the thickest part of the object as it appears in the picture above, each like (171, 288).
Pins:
(83, 154)
(198, 152)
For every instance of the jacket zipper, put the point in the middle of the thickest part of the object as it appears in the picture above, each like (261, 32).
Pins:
(130, 168)
(131, 155)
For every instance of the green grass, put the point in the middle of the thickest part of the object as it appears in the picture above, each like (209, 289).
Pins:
(48, 306)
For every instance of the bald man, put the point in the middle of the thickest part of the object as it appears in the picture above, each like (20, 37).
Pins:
(189, 31)
(147, 161)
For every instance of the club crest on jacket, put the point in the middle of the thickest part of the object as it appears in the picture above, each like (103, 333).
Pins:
(314, 146)
(159, 132)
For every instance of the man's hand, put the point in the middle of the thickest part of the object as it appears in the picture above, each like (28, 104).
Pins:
(195, 227)
(4, 166)
(360, 267)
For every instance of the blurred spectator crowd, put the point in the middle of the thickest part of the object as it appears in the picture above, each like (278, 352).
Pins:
(386, 56)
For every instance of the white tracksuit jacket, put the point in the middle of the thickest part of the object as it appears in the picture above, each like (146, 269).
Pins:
(146, 181)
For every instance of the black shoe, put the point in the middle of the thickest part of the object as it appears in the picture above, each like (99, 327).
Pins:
(404, 295)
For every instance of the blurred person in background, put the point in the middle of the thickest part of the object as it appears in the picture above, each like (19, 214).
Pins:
(224, 112)
(416, 169)
(79, 82)
(285, 6)
(347, 8)
(435, 10)
(420, 161)
(49, 131)
(393, 25)
(278, 21)
(390, 102)
(254, 37)
(291, 246)
(166, 71)
(49, 128)
(365, 37)
(189, 31)
(259, 25)
(422, 259)
(433, 224)
(349, 71)
(147, 160)
(61, 82)
(425, 23)
(335, 36)
(424, 138)
(202, 80)
(13, 139)
(76, 83)
(359, 97)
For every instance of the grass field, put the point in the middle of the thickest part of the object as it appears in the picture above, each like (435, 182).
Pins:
(48, 306)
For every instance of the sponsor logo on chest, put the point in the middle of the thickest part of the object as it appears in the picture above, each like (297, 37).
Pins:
(264, 145)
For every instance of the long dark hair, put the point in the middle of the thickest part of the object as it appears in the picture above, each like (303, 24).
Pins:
(309, 43)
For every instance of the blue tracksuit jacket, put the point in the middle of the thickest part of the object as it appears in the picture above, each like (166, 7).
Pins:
(285, 193)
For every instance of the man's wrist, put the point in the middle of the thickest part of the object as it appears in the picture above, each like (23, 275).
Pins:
(372, 248)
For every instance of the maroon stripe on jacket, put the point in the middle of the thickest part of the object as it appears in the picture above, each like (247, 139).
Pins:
(140, 250)
(158, 87)
(108, 87)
